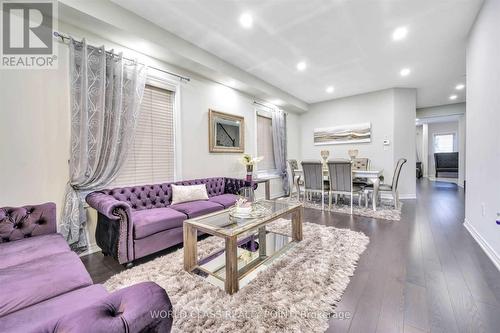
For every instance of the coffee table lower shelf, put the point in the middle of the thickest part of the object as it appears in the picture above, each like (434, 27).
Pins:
(252, 257)
(249, 247)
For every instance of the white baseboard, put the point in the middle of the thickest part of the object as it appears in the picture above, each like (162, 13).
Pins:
(401, 196)
(446, 180)
(93, 248)
(494, 257)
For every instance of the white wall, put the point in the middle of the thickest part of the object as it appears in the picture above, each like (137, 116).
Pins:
(34, 134)
(383, 109)
(35, 129)
(483, 138)
(425, 149)
(462, 132)
(405, 105)
(419, 142)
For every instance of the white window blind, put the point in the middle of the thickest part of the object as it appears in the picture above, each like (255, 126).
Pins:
(265, 143)
(151, 158)
(444, 143)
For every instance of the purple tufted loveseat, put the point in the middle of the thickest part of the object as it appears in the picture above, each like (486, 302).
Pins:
(45, 287)
(134, 222)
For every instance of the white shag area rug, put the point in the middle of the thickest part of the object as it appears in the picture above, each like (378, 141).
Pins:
(298, 292)
(385, 209)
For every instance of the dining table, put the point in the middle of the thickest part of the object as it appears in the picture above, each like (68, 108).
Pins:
(373, 175)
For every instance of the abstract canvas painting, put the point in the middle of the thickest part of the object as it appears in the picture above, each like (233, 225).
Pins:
(336, 135)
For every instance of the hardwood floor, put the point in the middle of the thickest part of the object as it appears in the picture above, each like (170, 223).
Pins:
(424, 273)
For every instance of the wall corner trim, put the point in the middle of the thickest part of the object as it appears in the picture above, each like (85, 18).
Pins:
(494, 257)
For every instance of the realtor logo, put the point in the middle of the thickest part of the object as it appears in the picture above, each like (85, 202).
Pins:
(27, 40)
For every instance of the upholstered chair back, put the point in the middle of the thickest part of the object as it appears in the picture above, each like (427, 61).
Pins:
(313, 175)
(160, 195)
(340, 173)
(293, 166)
(360, 163)
(397, 172)
(27, 221)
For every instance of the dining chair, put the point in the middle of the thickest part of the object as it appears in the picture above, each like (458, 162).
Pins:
(386, 188)
(341, 182)
(313, 180)
(361, 163)
(296, 179)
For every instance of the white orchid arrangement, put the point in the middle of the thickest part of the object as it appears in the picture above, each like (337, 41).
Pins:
(242, 202)
(247, 159)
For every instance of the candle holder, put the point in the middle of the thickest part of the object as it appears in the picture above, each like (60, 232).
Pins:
(324, 155)
(352, 153)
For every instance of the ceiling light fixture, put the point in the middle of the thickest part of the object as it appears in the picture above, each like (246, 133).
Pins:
(400, 33)
(301, 66)
(453, 97)
(330, 89)
(460, 86)
(246, 20)
(405, 72)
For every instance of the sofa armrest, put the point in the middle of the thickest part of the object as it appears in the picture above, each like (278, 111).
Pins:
(233, 185)
(107, 205)
(144, 307)
(114, 226)
(27, 221)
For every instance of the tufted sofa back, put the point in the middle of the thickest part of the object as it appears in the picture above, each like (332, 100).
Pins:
(160, 195)
(27, 221)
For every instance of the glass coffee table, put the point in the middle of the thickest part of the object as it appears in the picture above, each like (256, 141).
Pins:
(249, 246)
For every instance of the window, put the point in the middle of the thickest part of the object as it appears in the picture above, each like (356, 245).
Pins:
(444, 143)
(265, 143)
(151, 158)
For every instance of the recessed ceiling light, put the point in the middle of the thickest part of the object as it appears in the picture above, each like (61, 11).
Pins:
(301, 66)
(453, 97)
(400, 33)
(246, 20)
(405, 72)
(330, 89)
(460, 86)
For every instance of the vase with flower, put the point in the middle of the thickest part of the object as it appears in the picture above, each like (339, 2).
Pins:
(248, 161)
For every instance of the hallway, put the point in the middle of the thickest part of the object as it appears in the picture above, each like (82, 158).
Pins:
(424, 273)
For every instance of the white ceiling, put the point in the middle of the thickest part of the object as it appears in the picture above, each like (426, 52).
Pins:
(346, 43)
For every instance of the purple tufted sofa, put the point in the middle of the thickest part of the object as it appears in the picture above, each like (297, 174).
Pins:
(134, 222)
(45, 287)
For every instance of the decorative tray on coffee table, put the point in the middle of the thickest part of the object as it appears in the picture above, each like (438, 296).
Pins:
(258, 210)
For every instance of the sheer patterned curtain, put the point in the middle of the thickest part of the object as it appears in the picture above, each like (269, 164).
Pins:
(279, 144)
(105, 97)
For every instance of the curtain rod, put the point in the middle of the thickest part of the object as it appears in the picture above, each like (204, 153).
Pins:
(267, 106)
(185, 78)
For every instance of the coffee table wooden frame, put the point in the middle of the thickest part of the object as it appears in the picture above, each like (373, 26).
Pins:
(231, 282)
